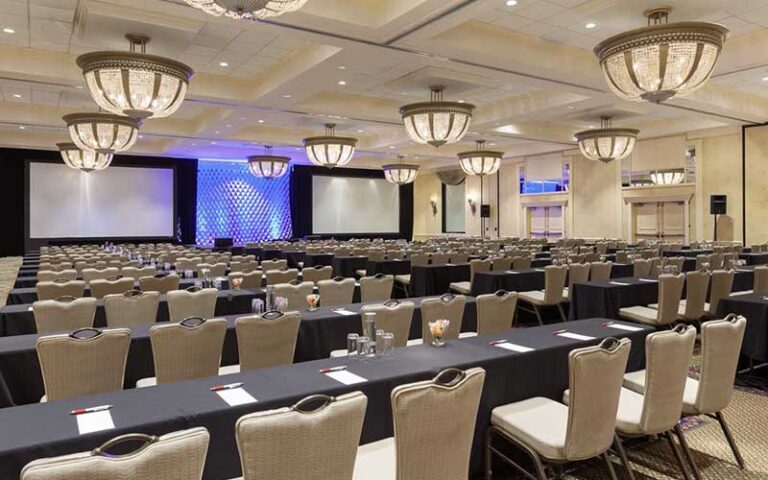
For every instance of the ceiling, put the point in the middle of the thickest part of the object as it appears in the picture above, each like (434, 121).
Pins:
(528, 68)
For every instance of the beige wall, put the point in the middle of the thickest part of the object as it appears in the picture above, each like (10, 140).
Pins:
(720, 173)
(595, 187)
(756, 145)
(425, 223)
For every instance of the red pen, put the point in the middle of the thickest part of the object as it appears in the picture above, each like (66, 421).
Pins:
(558, 332)
(80, 411)
(333, 369)
(230, 386)
(496, 342)
(607, 324)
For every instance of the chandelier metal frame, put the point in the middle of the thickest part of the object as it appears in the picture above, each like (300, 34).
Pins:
(480, 162)
(423, 118)
(400, 173)
(329, 150)
(667, 177)
(84, 160)
(246, 9)
(267, 165)
(102, 132)
(592, 148)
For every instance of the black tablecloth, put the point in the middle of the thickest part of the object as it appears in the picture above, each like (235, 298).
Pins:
(320, 333)
(435, 279)
(686, 252)
(312, 259)
(526, 279)
(754, 258)
(346, 266)
(271, 254)
(293, 258)
(755, 309)
(608, 296)
(45, 430)
(388, 267)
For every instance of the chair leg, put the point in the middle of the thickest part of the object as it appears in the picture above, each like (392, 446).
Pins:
(677, 454)
(541, 472)
(608, 463)
(687, 452)
(562, 313)
(623, 456)
(538, 314)
(728, 436)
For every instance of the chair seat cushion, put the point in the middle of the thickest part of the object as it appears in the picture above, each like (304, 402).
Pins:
(376, 461)
(146, 382)
(538, 422)
(745, 292)
(635, 381)
(414, 341)
(461, 287)
(630, 413)
(535, 297)
(360, 273)
(405, 279)
(467, 334)
(229, 369)
(339, 353)
(639, 313)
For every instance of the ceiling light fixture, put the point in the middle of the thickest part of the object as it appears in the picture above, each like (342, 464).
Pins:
(436, 122)
(607, 144)
(247, 9)
(661, 60)
(342, 82)
(511, 3)
(134, 83)
(400, 173)
(667, 177)
(268, 165)
(83, 160)
(223, 64)
(329, 150)
(102, 132)
(16, 95)
(8, 30)
(480, 162)
(590, 25)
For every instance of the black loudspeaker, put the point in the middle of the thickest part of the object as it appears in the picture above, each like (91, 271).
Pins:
(717, 204)
(485, 211)
(223, 242)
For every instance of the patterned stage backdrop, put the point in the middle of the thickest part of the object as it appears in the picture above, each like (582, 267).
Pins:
(231, 202)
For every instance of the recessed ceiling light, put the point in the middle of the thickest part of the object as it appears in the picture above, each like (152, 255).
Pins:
(461, 101)
(16, 95)
(8, 30)
(194, 144)
(261, 121)
(590, 25)
(79, 87)
(141, 136)
(511, 3)
(492, 144)
(22, 127)
(591, 126)
(242, 118)
(217, 132)
(342, 67)
(571, 107)
(765, 79)
(213, 143)
(223, 64)
(228, 125)
(287, 95)
(342, 82)
(391, 147)
(359, 131)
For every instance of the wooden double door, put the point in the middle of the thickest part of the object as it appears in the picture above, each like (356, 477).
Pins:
(660, 221)
(546, 222)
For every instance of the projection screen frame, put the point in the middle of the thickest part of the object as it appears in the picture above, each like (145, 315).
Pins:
(34, 243)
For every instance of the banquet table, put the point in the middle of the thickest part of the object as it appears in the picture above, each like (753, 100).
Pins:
(604, 298)
(754, 258)
(754, 307)
(320, 332)
(388, 267)
(686, 252)
(47, 429)
(346, 266)
(435, 279)
(293, 257)
(312, 259)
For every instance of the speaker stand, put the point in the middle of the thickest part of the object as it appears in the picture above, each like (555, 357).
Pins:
(715, 235)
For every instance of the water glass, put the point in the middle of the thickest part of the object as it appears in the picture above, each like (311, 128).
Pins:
(188, 274)
(387, 343)
(198, 284)
(257, 306)
(217, 284)
(363, 346)
(377, 344)
(352, 343)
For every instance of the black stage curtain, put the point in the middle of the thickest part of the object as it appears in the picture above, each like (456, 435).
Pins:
(13, 191)
(301, 201)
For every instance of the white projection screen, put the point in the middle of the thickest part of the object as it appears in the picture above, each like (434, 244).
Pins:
(116, 202)
(354, 205)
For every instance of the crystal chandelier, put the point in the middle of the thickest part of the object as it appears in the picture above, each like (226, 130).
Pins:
(662, 60)
(480, 162)
(84, 160)
(268, 165)
(247, 9)
(329, 150)
(667, 177)
(437, 122)
(134, 83)
(400, 173)
(102, 132)
(607, 144)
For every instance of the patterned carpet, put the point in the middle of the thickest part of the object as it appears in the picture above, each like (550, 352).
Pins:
(747, 416)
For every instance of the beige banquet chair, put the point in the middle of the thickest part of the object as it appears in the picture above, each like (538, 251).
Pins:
(722, 283)
(376, 288)
(306, 441)
(266, 340)
(501, 264)
(214, 270)
(317, 273)
(404, 280)
(666, 311)
(57, 289)
(295, 294)
(138, 272)
(439, 258)
(393, 316)
(465, 288)
(600, 271)
(339, 291)
(192, 302)
(446, 307)
(552, 295)
(160, 283)
(577, 273)
(186, 350)
(641, 267)
(274, 264)
(696, 288)
(420, 413)
(131, 308)
(52, 276)
(521, 263)
(84, 362)
(252, 279)
(496, 312)
(173, 456)
(100, 288)
(275, 277)
(64, 314)
(90, 274)
(184, 264)
(243, 266)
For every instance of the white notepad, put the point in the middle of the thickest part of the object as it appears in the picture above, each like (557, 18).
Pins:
(236, 396)
(649, 280)
(344, 311)
(512, 272)
(742, 270)
(575, 336)
(514, 347)
(94, 422)
(619, 283)
(346, 377)
(29, 309)
(623, 327)
(539, 269)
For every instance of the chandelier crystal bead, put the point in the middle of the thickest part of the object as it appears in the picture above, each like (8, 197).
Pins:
(667, 177)
(607, 144)
(102, 132)
(329, 150)
(400, 173)
(437, 122)
(268, 165)
(87, 161)
(247, 9)
(134, 83)
(480, 162)
(662, 60)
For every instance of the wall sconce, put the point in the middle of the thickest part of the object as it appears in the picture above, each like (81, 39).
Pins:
(472, 205)
(433, 204)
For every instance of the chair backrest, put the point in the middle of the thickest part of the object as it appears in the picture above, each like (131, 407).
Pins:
(600, 271)
(670, 292)
(274, 264)
(174, 456)
(131, 308)
(419, 412)
(677, 262)
(183, 304)
(85, 362)
(90, 274)
(521, 263)
(136, 272)
(52, 276)
(720, 348)
(100, 288)
(376, 288)
(722, 283)
(187, 350)
(655, 269)
(595, 379)
(295, 295)
(439, 258)
(495, 312)
(696, 287)
(64, 315)
(297, 443)
(243, 266)
(275, 277)
(187, 263)
(641, 267)
(668, 355)
(501, 264)
(760, 280)
(622, 257)
(554, 282)
(459, 257)
(161, 284)
(251, 279)
(447, 307)
(53, 290)
(267, 340)
(478, 266)
(419, 259)
(701, 260)
(214, 269)
(376, 255)
(577, 273)
(394, 316)
(315, 274)
(339, 291)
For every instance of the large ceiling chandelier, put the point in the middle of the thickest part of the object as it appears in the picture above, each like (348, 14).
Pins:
(329, 150)
(667, 177)
(84, 160)
(480, 161)
(607, 144)
(437, 122)
(134, 83)
(247, 9)
(662, 60)
(102, 132)
(400, 173)
(268, 165)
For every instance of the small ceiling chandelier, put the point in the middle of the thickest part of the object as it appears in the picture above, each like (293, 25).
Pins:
(480, 162)
(662, 60)
(400, 173)
(247, 9)
(84, 160)
(436, 122)
(102, 132)
(667, 177)
(134, 83)
(329, 150)
(268, 165)
(607, 144)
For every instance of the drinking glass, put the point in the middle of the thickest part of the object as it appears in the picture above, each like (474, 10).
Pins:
(198, 284)
(363, 346)
(257, 306)
(352, 339)
(387, 343)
